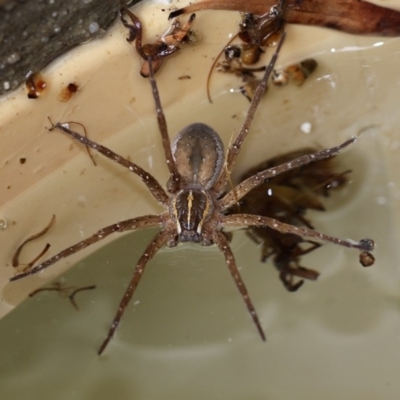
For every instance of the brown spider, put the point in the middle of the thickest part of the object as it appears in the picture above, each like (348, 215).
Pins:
(195, 210)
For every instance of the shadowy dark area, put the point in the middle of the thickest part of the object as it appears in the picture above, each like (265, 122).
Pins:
(35, 32)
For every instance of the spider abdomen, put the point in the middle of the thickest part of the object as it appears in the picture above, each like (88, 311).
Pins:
(199, 155)
(190, 209)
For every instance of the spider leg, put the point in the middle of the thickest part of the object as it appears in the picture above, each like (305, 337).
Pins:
(246, 220)
(235, 147)
(159, 241)
(155, 188)
(244, 187)
(222, 242)
(175, 178)
(145, 221)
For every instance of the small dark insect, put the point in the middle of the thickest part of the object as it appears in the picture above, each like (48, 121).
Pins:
(65, 291)
(67, 92)
(287, 197)
(165, 46)
(35, 85)
(22, 160)
(26, 267)
(195, 210)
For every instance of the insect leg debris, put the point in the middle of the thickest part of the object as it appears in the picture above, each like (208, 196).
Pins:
(15, 259)
(63, 290)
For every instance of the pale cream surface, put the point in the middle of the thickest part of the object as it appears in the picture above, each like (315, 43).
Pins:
(187, 333)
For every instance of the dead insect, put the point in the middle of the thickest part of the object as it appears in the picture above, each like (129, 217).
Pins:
(258, 31)
(196, 206)
(165, 46)
(26, 267)
(255, 32)
(366, 259)
(67, 92)
(64, 291)
(297, 72)
(35, 85)
(250, 86)
(287, 197)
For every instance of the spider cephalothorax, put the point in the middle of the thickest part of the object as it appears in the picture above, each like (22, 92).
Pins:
(196, 206)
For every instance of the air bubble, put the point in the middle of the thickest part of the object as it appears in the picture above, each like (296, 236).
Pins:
(306, 127)
(93, 27)
(3, 224)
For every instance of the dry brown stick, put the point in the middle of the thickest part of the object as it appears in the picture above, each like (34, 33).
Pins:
(351, 16)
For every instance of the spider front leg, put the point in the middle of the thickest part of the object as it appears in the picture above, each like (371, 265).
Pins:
(246, 220)
(154, 187)
(222, 242)
(235, 147)
(159, 241)
(146, 221)
(175, 178)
